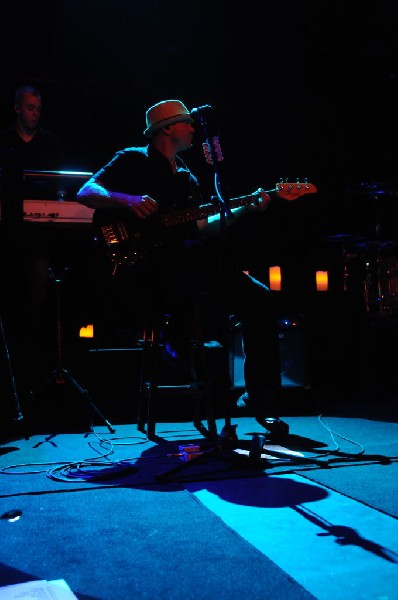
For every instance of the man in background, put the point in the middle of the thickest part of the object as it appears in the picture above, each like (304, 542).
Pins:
(31, 144)
(26, 248)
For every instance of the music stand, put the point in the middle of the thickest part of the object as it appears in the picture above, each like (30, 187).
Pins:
(60, 375)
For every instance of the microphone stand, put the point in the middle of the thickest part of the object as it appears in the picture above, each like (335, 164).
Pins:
(226, 439)
(213, 154)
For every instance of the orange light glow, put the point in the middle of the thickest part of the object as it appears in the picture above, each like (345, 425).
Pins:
(322, 281)
(275, 278)
(87, 332)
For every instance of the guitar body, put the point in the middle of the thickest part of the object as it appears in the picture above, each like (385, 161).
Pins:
(129, 239)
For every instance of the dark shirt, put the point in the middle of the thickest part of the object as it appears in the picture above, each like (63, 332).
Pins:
(43, 152)
(145, 171)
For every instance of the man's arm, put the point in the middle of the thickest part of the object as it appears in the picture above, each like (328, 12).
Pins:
(95, 195)
(211, 226)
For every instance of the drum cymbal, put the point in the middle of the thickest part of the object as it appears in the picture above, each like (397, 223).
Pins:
(370, 188)
(377, 245)
(344, 237)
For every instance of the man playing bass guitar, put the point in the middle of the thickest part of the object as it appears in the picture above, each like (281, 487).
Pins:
(146, 203)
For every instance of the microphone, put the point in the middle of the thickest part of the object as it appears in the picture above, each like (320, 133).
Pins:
(198, 111)
(211, 147)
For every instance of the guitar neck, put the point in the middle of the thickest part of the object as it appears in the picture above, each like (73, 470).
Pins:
(206, 210)
(286, 190)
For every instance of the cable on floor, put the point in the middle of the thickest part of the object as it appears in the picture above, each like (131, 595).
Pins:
(334, 434)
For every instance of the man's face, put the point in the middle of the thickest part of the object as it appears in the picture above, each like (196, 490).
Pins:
(182, 134)
(29, 111)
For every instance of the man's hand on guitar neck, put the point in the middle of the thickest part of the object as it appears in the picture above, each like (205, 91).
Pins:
(256, 202)
(261, 200)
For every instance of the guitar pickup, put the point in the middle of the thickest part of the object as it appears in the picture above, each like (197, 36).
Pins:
(115, 233)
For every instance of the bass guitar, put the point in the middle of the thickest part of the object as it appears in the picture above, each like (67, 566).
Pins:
(128, 239)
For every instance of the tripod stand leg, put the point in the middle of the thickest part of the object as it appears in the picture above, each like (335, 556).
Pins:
(85, 393)
(60, 375)
(19, 416)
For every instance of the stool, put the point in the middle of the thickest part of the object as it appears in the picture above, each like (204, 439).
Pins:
(150, 384)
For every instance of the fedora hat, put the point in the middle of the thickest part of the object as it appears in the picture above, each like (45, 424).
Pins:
(165, 113)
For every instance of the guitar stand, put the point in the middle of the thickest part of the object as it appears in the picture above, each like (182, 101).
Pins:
(60, 375)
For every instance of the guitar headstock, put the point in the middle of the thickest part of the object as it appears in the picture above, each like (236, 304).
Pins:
(291, 191)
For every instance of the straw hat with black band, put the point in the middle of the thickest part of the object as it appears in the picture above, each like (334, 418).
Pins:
(166, 113)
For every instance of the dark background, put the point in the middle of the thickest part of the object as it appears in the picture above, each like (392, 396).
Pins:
(300, 90)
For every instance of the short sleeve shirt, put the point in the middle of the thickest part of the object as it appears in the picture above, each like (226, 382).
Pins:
(145, 171)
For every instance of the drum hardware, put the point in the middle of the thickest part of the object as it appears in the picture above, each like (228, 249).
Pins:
(378, 289)
(348, 259)
(370, 298)
(377, 206)
(368, 268)
(381, 286)
(348, 254)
